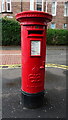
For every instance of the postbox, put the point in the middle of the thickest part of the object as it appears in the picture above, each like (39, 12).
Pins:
(33, 50)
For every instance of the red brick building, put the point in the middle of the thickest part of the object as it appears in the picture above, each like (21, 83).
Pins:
(59, 10)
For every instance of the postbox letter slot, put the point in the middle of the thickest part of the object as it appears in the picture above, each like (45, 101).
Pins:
(35, 32)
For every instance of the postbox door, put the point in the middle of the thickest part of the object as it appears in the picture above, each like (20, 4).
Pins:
(37, 56)
(37, 65)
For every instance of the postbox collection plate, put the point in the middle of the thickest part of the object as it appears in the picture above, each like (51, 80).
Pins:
(35, 48)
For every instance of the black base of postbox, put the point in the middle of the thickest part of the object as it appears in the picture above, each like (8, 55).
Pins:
(33, 100)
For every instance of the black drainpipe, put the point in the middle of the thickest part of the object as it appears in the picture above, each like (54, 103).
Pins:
(21, 6)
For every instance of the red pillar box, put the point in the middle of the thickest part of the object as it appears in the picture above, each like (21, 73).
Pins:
(33, 47)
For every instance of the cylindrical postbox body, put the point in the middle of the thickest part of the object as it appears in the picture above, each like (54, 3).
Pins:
(33, 47)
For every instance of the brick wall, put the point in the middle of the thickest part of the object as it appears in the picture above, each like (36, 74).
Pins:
(59, 19)
(16, 8)
(26, 6)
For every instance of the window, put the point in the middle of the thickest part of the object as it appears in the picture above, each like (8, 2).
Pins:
(65, 26)
(53, 26)
(54, 4)
(3, 5)
(31, 4)
(39, 5)
(66, 9)
(8, 5)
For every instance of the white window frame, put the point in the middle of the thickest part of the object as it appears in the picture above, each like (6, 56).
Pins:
(3, 6)
(42, 5)
(46, 6)
(55, 8)
(65, 8)
(7, 5)
(31, 4)
(0, 7)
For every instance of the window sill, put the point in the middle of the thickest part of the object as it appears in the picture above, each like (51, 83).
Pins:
(6, 12)
(54, 15)
(65, 28)
(65, 15)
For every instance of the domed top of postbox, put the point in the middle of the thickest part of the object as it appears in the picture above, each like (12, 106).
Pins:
(33, 15)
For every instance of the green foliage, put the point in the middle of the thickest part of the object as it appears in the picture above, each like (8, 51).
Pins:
(10, 32)
(57, 37)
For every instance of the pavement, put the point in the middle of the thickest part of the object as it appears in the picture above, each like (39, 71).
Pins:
(12, 55)
(55, 86)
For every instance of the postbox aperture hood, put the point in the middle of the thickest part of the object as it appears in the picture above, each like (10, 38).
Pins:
(35, 15)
